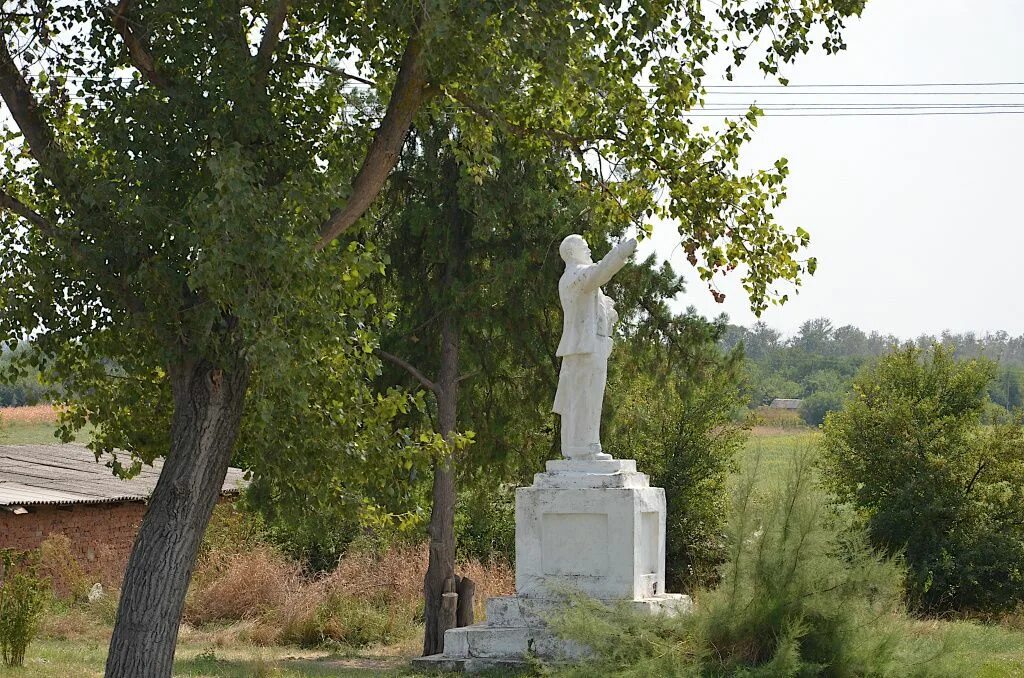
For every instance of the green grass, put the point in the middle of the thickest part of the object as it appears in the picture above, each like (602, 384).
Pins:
(85, 658)
(772, 449)
(13, 432)
(18, 433)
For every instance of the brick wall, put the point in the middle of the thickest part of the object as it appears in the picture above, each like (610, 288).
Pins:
(101, 535)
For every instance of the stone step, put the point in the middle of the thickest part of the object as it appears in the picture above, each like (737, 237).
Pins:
(512, 611)
(507, 642)
(438, 663)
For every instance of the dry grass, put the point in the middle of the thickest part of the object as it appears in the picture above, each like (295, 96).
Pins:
(240, 586)
(58, 564)
(370, 597)
(773, 418)
(30, 414)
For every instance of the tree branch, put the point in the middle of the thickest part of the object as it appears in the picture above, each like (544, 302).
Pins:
(27, 114)
(12, 204)
(271, 38)
(137, 52)
(420, 377)
(408, 95)
(337, 71)
(974, 478)
(554, 135)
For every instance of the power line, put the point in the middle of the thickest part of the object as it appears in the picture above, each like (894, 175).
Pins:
(877, 84)
(866, 105)
(840, 114)
(951, 93)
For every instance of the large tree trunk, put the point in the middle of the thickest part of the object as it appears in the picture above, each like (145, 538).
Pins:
(207, 413)
(441, 563)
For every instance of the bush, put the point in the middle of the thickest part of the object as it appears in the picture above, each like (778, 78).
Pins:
(245, 585)
(372, 595)
(801, 594)
(343, 620)
(773, 417)
(58, 566)
(485, 522)
(682, 433)
(22, 599)
(909, 452)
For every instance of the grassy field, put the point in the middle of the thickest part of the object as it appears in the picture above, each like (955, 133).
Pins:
(27, 425)
(84, 659)
(77, 649)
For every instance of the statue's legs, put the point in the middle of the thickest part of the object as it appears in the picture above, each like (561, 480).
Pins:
(580, 394)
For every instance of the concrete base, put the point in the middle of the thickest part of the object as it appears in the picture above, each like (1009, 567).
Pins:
(594, 527)
(516, 633)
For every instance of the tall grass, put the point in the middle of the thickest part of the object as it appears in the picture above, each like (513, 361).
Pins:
(801, 595)
(373, 596)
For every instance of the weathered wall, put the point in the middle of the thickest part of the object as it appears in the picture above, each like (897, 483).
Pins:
(101, 535)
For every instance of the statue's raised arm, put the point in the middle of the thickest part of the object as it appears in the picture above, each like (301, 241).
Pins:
(586, 343)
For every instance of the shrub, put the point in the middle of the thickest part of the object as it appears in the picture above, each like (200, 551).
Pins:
(909, 452)
(773, 417)
(682, 433)
(58, 566)
(233, 586)
(343, 620)
(801, 594)
(22, 598)
(371, 596)
(485, 522)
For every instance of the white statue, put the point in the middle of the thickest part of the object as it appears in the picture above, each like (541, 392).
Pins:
(586, 343)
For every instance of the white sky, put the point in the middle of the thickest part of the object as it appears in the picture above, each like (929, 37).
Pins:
(916, 221)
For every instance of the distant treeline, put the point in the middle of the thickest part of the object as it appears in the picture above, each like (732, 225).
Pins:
(819, 362)
(18, 389)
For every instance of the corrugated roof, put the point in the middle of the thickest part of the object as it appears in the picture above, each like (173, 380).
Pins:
(70, 474)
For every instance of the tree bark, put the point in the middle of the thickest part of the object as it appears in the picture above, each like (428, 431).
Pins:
(441, 563)
(208, 404)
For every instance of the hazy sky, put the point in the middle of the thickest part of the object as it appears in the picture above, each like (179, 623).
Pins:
(916, 221)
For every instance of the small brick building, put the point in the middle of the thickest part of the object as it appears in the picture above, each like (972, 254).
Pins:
(51, 489)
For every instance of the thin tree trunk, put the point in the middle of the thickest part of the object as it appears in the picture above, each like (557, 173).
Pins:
(441, 563)
(207, 413)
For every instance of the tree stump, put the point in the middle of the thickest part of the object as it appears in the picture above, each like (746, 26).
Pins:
(466, 590)
(448, 614)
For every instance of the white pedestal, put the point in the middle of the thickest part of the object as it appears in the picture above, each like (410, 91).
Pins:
(594, 527)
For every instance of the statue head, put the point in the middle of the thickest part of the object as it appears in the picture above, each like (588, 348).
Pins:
(574, 250)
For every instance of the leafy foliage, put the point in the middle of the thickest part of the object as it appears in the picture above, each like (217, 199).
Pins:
(801, 595)
(815, 407)
(22, 599)
(909, 452)
(675, 414)
(823, 359)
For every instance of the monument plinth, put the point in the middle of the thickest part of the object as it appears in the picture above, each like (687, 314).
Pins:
(590, 524)
(594, 527)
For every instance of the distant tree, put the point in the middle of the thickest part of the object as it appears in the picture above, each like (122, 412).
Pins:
(815, 336)
(909, 452)
(815, 407)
